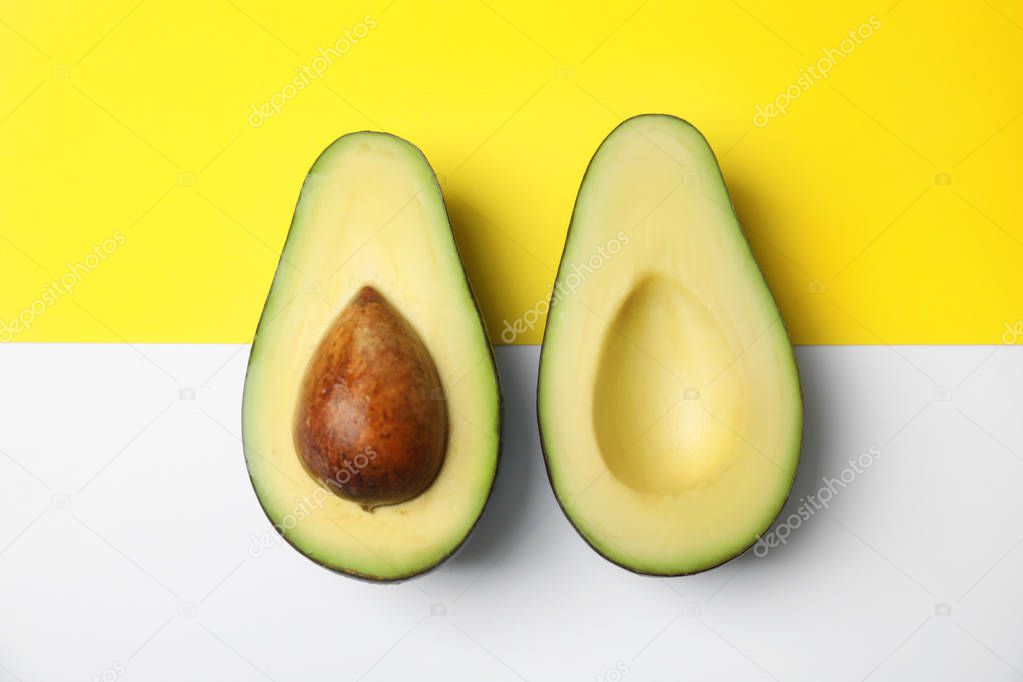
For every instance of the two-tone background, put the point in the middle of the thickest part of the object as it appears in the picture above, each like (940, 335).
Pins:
(150, 157)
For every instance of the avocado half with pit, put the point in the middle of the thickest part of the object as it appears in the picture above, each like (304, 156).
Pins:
(669, 401)
(371, 413)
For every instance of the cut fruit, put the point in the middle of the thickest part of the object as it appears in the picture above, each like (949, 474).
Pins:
(371, 415)
(669, 402)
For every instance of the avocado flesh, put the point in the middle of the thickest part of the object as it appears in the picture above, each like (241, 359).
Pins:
(371, 214)
(668, 400)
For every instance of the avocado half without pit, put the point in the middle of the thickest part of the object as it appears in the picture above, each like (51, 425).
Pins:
(669, 400)
(371, 412)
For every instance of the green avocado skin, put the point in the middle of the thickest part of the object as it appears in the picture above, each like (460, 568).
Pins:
(256, 353)
(540, 411)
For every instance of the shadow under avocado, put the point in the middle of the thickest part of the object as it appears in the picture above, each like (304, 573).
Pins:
(469, 229)
(519, 475)
(819, 423)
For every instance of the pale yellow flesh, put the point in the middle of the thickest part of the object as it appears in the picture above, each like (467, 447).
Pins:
(669, 399)
(371, 214)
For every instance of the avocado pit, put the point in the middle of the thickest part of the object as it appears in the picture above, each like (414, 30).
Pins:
(371, 422)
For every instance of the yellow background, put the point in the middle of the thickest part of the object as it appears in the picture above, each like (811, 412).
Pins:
(883, 206)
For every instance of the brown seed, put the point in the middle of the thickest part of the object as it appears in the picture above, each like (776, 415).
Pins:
(371, 420)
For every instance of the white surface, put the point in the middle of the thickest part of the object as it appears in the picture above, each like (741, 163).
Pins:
(144, 570)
